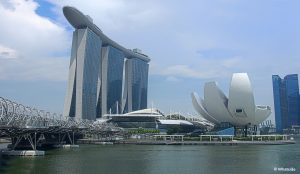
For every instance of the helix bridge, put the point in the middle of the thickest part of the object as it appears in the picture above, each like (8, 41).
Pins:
(31, 128)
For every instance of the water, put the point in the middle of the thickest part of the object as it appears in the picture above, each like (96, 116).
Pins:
(159, 159)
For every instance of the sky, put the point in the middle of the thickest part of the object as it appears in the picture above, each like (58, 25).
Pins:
(189, 42)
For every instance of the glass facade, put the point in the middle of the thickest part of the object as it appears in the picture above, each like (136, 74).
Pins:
(114, 65)
(83, 78)
(292, 93)
(277, 102)
(90, 74)
(97, 82)
(286, 101)
(138, 84)
(135, 121)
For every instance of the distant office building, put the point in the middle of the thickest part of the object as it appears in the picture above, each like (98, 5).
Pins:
(104, 77)
(286, 101)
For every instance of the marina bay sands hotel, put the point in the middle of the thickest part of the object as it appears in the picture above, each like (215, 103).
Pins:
(104, 77)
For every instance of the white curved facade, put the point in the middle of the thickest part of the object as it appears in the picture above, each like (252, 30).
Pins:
(238, 109)
(199, 106)
(216, 102)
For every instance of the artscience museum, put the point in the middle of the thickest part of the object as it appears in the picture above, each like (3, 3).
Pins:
(238, 109)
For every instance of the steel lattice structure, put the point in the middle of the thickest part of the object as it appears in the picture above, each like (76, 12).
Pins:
(18, 120)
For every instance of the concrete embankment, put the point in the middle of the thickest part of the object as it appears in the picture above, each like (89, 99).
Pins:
(5, 140)
(94, 141)
(23, 152)
(8, 152)
(140, 142)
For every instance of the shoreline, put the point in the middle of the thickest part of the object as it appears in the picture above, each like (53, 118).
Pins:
(149, 142)
(211, 142)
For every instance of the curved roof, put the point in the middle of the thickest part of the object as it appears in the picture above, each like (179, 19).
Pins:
(175, 122)
(238, 109)
(148, 111)
(78, 20)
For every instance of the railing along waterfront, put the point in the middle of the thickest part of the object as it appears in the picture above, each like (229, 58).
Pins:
(248, 138)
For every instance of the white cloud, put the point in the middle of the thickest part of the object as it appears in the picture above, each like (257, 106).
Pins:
(52, 68)
(7, 53)
(207, 69)
(33, 41)
(118, 14)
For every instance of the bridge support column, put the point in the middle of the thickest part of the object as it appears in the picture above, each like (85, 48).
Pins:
(72, 141)
(29, 137)
(35, 141)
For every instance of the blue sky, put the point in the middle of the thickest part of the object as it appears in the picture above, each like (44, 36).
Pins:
(189, 42)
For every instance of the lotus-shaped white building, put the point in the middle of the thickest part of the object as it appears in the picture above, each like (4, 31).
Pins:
(237, 109)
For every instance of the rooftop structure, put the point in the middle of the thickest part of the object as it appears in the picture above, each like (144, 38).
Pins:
(78, 20)
(153, 118)
(104, 77)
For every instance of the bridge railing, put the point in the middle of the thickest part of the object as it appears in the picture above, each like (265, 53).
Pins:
(16, 115)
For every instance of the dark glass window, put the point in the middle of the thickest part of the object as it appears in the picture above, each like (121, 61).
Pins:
(286, 101)
(90, 74)
(114, 80)
(139, 84)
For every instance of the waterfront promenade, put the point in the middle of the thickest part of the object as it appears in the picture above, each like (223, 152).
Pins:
(202, 140)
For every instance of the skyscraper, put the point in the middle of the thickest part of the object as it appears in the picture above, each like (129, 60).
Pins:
(112, 79)
(136, 84)
(286, 101)
(83, 74)
(104, 77)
